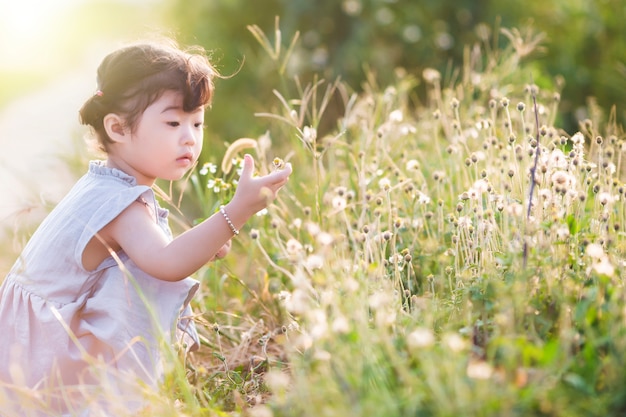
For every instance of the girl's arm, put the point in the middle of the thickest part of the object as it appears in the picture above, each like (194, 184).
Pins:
(135, 231)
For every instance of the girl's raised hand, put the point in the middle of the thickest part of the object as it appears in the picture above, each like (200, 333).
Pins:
(255, 193)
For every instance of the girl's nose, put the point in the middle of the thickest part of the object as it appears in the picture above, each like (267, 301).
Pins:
(189, 136)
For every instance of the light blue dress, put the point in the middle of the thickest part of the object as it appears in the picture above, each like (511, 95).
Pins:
(56, 317)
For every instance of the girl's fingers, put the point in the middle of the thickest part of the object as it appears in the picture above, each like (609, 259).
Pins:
(248, 166)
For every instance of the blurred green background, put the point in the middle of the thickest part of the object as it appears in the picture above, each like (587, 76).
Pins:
(585, 43)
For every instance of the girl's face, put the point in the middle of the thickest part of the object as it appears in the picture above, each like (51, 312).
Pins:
(166, 141)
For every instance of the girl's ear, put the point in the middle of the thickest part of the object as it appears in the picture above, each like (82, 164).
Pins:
(114, 126)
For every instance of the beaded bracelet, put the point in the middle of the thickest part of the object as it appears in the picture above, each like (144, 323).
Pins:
(230, 224)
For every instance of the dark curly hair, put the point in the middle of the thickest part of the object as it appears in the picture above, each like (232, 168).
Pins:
(135, 76)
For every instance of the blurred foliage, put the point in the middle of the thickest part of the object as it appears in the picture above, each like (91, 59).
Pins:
(585, 40)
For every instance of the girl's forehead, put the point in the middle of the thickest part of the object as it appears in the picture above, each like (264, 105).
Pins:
(171, 100)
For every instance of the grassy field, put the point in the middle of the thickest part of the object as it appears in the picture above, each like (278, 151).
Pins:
(458, 255)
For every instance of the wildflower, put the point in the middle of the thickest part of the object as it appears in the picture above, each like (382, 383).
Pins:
(406, 128)
(325, 239)
(464, 222)
(479, 370)
(562, 233)
(378, 300)
(284, 295)
(454, 342)
(384, 184)
(516, 209)
(319, 322)
(431, 75)
(254, 234)
(313, 228)
(422, 198)
(298, 302)
(322, 355)
(396, 116)
(314, 262)
(339, 203)
(604, 267)
(217, 185)
(420, 338)
(340, 325)
(278, 163)
(277, 380)
(412, 165)
(594, 251)
(396, 259)
(294, 247)
(605, 198)
(208, 167)
(309, 134)
(562, 180)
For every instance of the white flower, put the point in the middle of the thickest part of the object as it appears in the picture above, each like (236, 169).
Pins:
(384, 184)
(605, 198)
(298, 302)
(481, 186)
(557, 159)
(208, 167)
(422, 198)
(325, 239)
(396, 116)
(479, 370)
(340, 325)
(562, 233)
(604, 267)
(309, 134)
(314, 262)
(464, 222)
(420, 338)
(431, 75)
(594, 251)
(339, 203)
(294, 247)
(412, 165)
(454, 342)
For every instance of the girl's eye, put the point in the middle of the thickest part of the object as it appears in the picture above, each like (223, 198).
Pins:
(199, 125)
(173, 124)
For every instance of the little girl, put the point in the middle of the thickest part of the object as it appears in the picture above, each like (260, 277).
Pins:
(101, 280)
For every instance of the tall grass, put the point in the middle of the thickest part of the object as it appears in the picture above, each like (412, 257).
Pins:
(458, 255)
(455, 254)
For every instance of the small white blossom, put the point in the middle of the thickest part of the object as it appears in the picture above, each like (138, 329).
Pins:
(479, 370)
(594, 251)
(420, 338)
(384, 184)
(314, 262)
(294, 247)
(339, 203)
(604, 267)
(412, 165)
(396, 116)
(309, 134)
(454, 342)
(208, 167)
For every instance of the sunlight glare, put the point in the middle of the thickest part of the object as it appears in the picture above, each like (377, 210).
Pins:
(27, 26)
